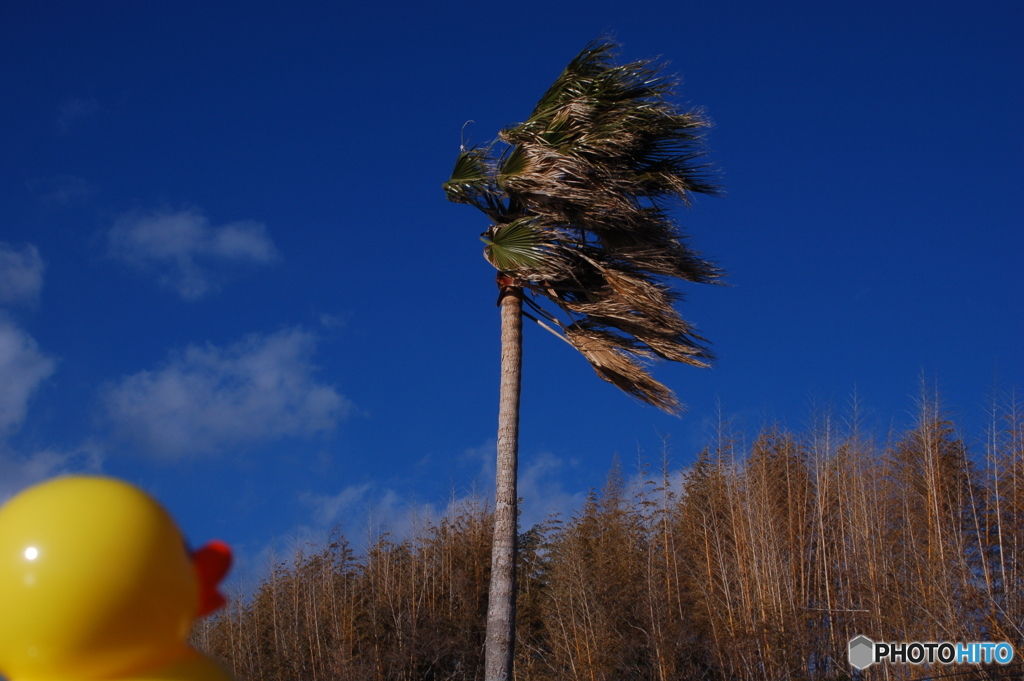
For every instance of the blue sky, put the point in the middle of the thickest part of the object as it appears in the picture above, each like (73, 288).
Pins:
(228, 272)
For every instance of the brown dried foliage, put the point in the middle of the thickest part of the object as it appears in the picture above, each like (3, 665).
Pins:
(754, 563)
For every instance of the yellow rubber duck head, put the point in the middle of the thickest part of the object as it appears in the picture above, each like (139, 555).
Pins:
(96, 582)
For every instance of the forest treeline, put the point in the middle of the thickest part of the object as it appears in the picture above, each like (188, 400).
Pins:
(759, 561)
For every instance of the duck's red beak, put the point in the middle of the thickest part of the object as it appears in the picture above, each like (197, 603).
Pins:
(212, 563)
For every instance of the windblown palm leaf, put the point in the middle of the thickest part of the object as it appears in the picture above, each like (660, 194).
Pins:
(579, 199)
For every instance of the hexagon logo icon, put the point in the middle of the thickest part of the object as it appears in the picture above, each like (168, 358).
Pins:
(862, 652)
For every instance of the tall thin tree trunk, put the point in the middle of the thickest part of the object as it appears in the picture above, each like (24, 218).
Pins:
(501, 605)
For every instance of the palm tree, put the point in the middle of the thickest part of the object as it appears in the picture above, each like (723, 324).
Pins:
(578, 196)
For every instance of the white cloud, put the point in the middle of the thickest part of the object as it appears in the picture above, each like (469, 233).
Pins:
(18, 471)
(331, 509)
(183, 248)
(74, 109)
(543, 493)
(540, 483)
(208, 398)
(61, 189)
(332, 321)
(362, 513)
(365, 512)
(21, 274)
(22, 368)
(486, 455)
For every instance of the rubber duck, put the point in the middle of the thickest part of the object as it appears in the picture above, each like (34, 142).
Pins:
(97, 584)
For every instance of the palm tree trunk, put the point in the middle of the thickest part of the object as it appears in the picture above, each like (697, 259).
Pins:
(501, 605)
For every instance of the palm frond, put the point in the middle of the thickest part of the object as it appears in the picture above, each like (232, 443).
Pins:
(515, 164)
(614, 364)
(580, 72)
(472, 181)
(516, 246)
(579, 198)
